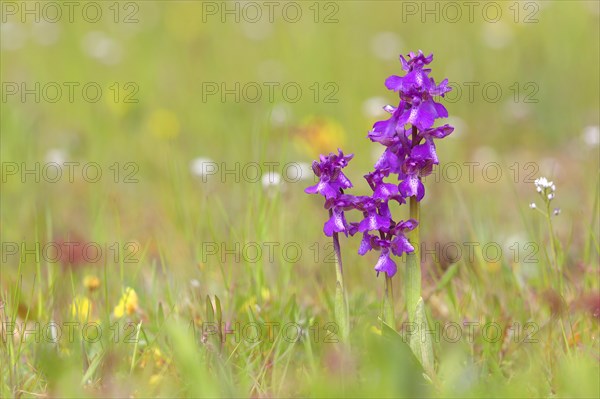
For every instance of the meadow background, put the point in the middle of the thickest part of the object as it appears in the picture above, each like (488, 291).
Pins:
(180, 211)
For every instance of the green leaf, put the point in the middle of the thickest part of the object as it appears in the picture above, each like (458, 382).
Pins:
(290, 307)
(160, 314)
(388, 332)
(341, 313)
(215, 341)
(447, 277)
(421, 343)
(219, 312)
(219, 317)
(412, 285)
(251, 315)
(92, 368)
(196, 379)
(210, 312)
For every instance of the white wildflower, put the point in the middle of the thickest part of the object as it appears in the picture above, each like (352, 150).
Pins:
(299, 171)
(591, 136)
(202, 166)
(57, 156)
(543, 183)
(271, 179)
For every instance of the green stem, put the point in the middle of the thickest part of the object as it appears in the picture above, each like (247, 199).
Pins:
(413, 265)
(339, 268)
(341, 300)
(553, 248)
(387, 312)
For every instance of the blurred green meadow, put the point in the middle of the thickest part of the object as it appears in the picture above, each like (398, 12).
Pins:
(156, 239)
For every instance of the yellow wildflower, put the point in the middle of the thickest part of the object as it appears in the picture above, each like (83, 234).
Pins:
(248, 303)
(159, 358)
(81, 308)
(375, 330)
(163, 124)
(265, 294)
(128, 303)
(92, 283)
(184, 20)
(319, 136)
(155, 379)
(494, 267)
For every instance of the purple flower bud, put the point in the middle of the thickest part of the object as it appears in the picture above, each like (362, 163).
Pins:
(316, 168)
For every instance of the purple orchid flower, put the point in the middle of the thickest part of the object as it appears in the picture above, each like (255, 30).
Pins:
(385, 263)
(336, 224)
(383, 191)
(331, 178)
(337, 221)
(394, 242)
(408, 135)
